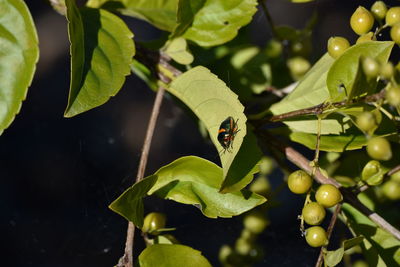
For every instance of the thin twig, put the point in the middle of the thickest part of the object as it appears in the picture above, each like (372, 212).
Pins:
(268, 17)
(320, 108)
(394, 170)
(329, 233)
(365, 186)
(300, 161)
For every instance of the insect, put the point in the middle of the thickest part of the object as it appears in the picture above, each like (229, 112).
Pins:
(226, 133)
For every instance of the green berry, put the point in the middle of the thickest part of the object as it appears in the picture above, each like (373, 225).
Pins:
(298, 66)
(316, 236)
(242, 246)
(361, 21)
(395, 176)
(261, 186)
(379, 10)
(393, 96)
(301, 48)
(366, 121)
(360, 263)
(379, 148)
(299, 182)
(224, 252)
(369, 36)
(372, 173)
(313, 213)
(153, 222)
(273, 48)
(255, 222)
(328, 195)
(337, 46)
(395, 33)
(387, 70)
(391, 189)
(370, 67)
(392, 16)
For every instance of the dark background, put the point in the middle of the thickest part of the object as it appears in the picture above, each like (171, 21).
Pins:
(58, 175)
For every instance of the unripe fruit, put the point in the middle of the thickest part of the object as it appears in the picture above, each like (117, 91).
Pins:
(392, 16)
(370, 67)
(379, 10)
(313, 213)
(255, 222)
(248, 235)
(337, 46)
(360, 263)
(391, 189)
(273, 49)
(361, 21)
(242, 246)
(395, 33)
(369, 36)
(366, 121)
(395, 176)
(224, 253)
(379, 148)
(153, 221)
(298, 66)
(328, 195)
(316, 236)
(387, 70)
(393, 96)
(301, 48)
(261, 186)
(299, 182)
(372, 173)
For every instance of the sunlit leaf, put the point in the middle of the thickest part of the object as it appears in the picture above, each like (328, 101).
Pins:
(346, 69)
(18, 56)
(160, 13)
(167, 255)
(212, 102)
(101, 52)
(178, 51)
(218, 21)
(187, 10)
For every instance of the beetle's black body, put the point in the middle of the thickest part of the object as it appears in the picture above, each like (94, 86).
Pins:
(226, 133)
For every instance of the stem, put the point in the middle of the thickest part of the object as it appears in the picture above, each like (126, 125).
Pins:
(329, 233)
(127, 259)
(268, 17)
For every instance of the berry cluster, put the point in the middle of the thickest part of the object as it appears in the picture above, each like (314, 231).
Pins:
(313, 213)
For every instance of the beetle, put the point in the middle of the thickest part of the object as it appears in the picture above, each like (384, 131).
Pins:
(227, 132)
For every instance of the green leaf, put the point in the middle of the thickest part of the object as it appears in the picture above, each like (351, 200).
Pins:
(130, 203)
(166, 255)
(18, 57)
(187, 9)
(218, 21)
(101, 51)
(379, 247)
(352, 242)
(346, 69)
(334, 257)
(160, 13)
(177, 50)
(310, 91)
(196, 181)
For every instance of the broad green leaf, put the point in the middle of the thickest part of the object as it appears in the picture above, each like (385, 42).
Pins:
(196, 181)
(310, 91)
(18, 56)
(130, 203)
(178, 51)
(218, 21)
(101, 51)
(346, 69)
(352, 242)
(212, 102)
(165, 255)
(380, 248)
(187, 9)
(160, 13)
(334, 257)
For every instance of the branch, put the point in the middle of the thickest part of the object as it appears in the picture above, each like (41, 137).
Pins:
(365, 186)
(319, 109)
(329, 233)
(299, 160)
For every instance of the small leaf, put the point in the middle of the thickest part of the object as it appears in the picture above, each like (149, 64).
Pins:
(101, 51)
(130, 203)
(160, 13)
(18, 57)
(166, 255)
(177, 50)
(346, 68)
(218, 21)
(187, 9)
(196, 181)
(334, 257)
